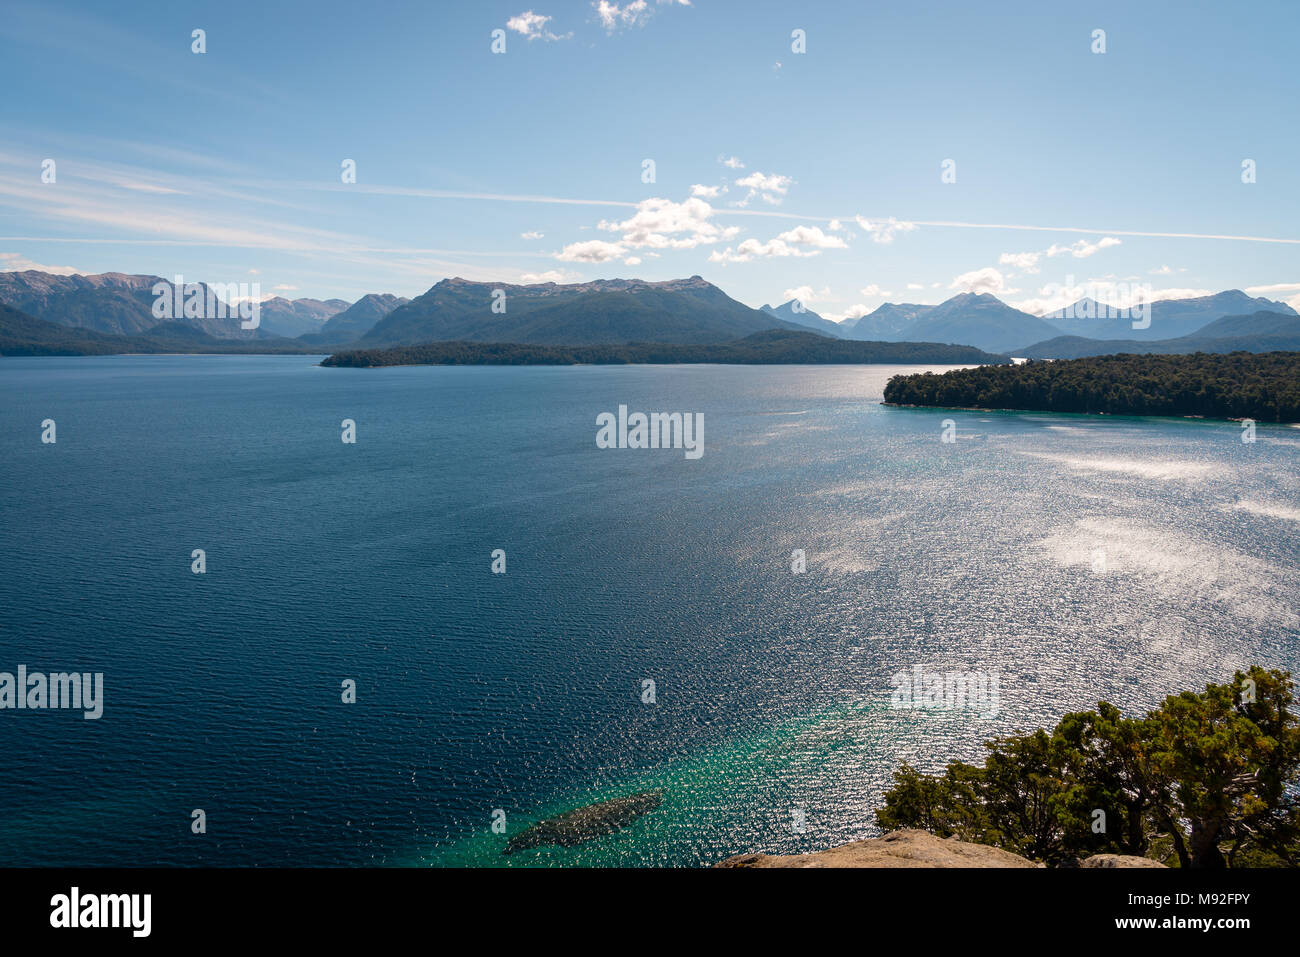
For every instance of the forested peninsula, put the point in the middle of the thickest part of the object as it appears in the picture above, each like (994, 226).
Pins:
(1240, 385)
(776, 346)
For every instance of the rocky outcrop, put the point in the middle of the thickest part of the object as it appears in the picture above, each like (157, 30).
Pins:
(918, 849)
(896, 849)
(1118, 860)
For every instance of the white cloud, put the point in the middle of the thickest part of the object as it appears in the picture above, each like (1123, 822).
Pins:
(915, 285)
(986, 280)
(551, 275)
(286, 288)
(802, 241)
(16, 262)
(855, 311)
(706, 192)
(591, 251)
(1158, 294)
(1162, 271)
(1042, 305)
(613, 17)
(657, 224)
(532, 234)
(772, 188)
(533, 26)
(806, 294)
(527, 23)
(663, 224)
(1082, 249)
(1026, 262)
(731, 162)
(884, 230)
(1273, 288)
(813, 236)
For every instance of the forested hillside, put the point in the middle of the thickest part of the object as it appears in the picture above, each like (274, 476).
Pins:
(1264, 386)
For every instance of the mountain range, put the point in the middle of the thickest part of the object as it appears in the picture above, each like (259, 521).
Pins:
(1258, 332)
(1170, 318)
(356, 320)
(981, 320)
(987, 323)
(24, 335)
(111, 302)
(974, 318)
(802, 316)
(296, 317)
(114, 312)
(684, 311)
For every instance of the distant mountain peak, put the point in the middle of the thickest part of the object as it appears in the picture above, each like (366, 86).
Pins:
(803, 316)
(1168, 319)
(968, 298)
(684, 311)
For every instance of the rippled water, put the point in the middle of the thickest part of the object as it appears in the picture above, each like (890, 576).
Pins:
(523, 691)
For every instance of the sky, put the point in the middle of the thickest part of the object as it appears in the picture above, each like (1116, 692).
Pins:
(907, 152)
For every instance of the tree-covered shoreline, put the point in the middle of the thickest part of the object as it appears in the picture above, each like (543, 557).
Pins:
(1205, 780)
(774, 347)
(1239, 385)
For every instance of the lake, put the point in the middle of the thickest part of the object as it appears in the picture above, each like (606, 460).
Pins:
(1070, 558)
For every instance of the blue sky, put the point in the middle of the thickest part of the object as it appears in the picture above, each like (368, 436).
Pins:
(528, 165)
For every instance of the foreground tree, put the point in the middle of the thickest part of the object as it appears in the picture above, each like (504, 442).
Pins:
(1215, 774)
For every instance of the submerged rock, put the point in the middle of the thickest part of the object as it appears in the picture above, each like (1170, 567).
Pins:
(586, 823)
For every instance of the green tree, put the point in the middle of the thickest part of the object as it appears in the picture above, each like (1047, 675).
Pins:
(1216, 773)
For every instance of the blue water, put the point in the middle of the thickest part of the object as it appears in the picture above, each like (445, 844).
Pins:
(523, 692)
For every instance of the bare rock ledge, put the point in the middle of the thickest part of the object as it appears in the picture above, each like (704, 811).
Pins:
(917, 849)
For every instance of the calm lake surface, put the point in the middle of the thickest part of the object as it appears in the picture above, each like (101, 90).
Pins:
(523, 691)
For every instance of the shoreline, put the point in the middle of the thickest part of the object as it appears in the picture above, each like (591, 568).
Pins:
(1107, 415)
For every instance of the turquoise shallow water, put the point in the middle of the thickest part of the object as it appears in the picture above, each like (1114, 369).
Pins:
(522, 691)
